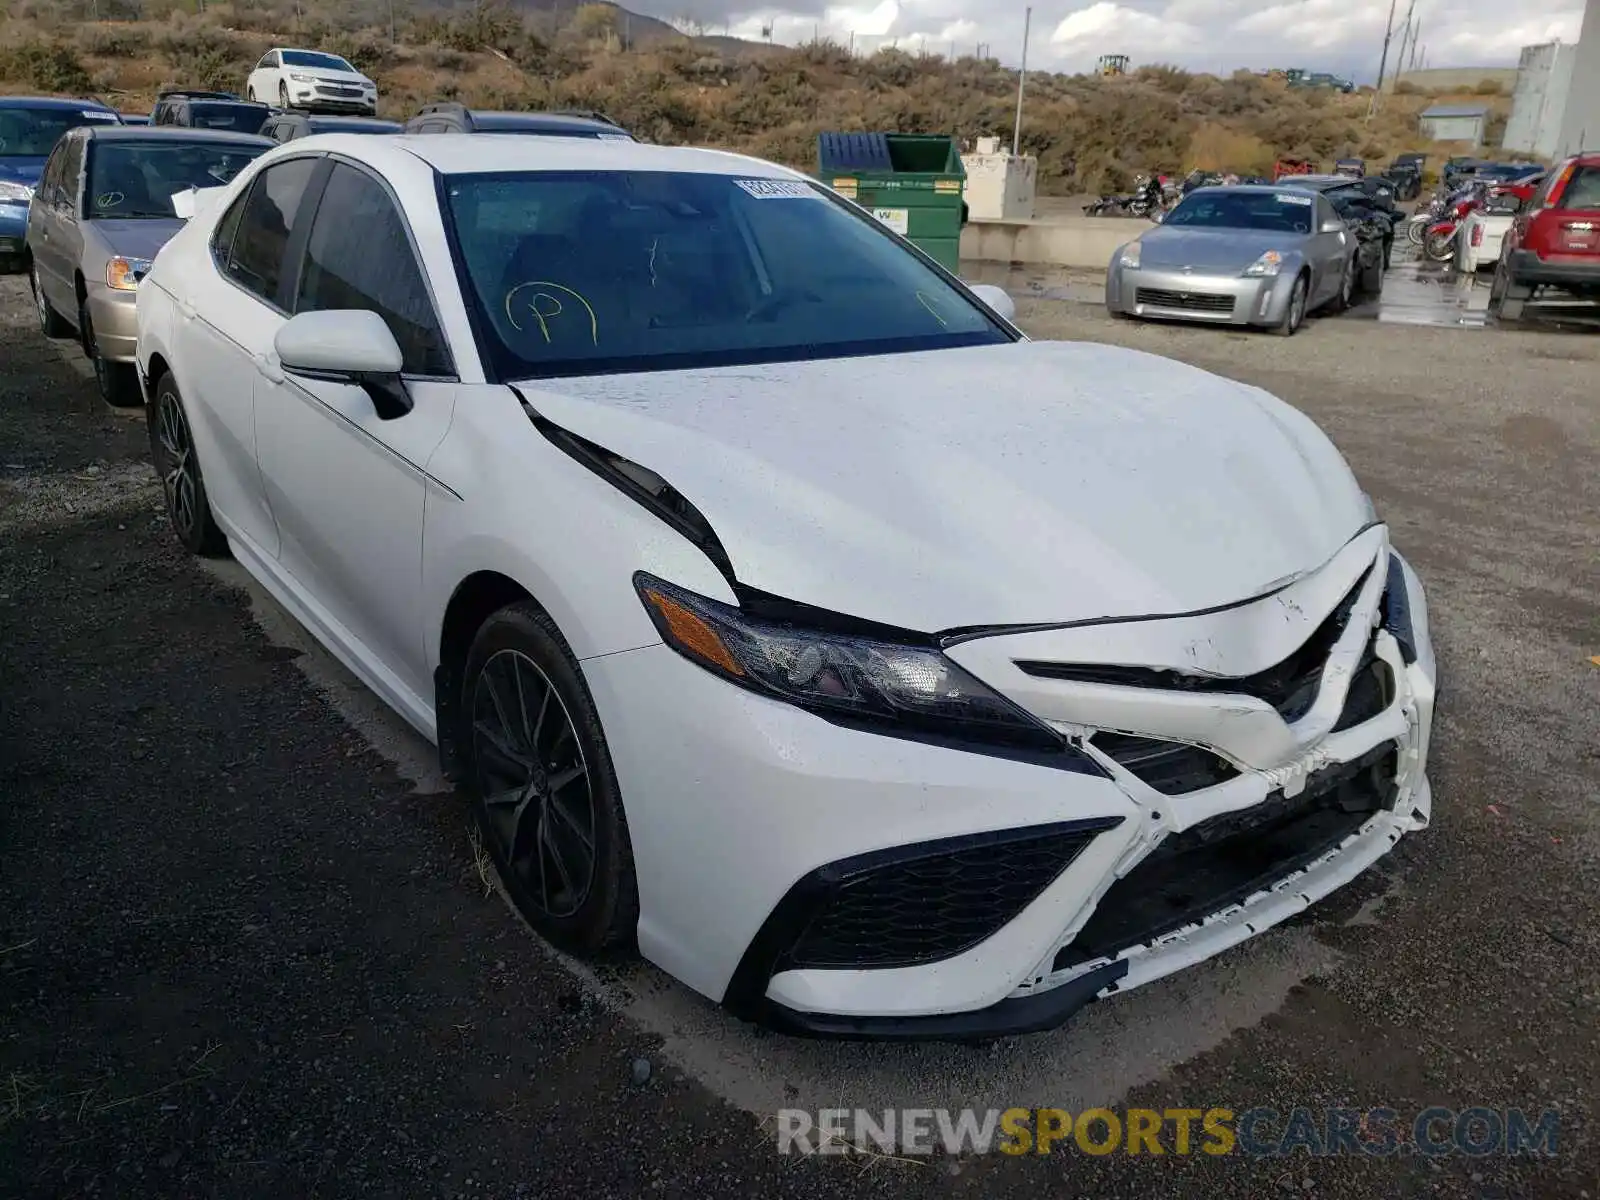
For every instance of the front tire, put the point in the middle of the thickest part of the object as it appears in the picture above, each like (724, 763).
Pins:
(172, 449)
(545, 795)
(1440, 247)
(283, 96)
(117, 382)
(1294, 313)
(1347, 289)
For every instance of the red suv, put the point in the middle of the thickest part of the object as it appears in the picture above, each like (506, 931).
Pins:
(1554, 241)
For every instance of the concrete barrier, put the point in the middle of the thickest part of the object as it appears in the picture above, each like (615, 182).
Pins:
(1087, 242)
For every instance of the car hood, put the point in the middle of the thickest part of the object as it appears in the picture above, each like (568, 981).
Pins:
(19, 169)
(135, 239)
(328, 75)
(1210, 249)
(1033, 482)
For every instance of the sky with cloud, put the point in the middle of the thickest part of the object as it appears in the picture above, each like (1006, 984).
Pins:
(1342, 36)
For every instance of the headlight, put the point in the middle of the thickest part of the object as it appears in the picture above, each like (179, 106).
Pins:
(124, 274)
(1267, 264)
(1130, 254)
(16, 193)
(898, 688)
(302, 78)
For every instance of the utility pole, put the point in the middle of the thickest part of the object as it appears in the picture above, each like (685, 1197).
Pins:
(1412, 66)
(1383, 62)
(1400, 59)
(1022, 79)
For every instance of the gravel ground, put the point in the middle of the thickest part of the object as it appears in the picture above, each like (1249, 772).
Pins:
(241, 954)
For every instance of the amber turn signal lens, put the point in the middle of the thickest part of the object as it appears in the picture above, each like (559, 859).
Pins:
(692, 634)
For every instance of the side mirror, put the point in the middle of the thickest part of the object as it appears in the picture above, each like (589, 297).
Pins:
(1335, 225)
(996, 298)
(348, 346)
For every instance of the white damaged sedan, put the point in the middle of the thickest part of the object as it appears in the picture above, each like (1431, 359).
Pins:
(784, 610)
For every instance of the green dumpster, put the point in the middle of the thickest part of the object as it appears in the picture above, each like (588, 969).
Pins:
(912, 182)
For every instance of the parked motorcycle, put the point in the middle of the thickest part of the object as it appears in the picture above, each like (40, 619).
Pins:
(1146, 200)
(1451, 204)
(1439, 239)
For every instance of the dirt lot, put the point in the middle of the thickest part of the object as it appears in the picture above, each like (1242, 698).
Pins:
(246, 950)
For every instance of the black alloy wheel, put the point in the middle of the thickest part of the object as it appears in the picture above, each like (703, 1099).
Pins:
(544, 792)
(182, 485)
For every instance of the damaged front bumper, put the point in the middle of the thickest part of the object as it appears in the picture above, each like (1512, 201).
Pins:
(1254, 761)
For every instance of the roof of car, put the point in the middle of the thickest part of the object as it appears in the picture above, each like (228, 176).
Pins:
(339, 122)
(57, 102)
(492, 122)
(464, 154)
(173, 133)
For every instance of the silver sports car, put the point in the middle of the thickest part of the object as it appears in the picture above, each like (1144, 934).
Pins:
(1239, 256)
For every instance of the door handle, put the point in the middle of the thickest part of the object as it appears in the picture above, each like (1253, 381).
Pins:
(187, 310)
(269, 369)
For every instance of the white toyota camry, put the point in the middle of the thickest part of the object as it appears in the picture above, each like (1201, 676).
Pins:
(879, 671)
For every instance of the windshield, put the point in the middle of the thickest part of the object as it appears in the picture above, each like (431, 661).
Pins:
(320, 62)
(137, 179)
(33, 132)
(594, 272)
(235, 118)
(1283, 212)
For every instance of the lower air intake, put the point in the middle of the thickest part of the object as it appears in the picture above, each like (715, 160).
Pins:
(1220, 862)
(933, 902)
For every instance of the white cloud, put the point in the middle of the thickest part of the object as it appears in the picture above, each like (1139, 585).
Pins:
(1342, 36)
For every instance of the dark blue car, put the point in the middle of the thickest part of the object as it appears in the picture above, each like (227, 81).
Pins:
(30, 126)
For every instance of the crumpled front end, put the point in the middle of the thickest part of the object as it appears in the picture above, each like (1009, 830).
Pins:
(1273, 751)
(1217, 773)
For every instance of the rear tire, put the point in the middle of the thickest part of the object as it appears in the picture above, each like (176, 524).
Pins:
(51, 323)
(544, 793)
(1347, 289)
(1506, 296)
(1372, 278)
(178, 468)
(1416, 230)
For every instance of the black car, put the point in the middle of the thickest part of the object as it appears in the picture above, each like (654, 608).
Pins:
(1368, 198)
(449, 117)
(287, 126)
(1405, 172)
(209, 110)
(1350, 166)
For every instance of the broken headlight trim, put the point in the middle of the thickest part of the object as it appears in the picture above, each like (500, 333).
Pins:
(1397, 611)
(893, 687)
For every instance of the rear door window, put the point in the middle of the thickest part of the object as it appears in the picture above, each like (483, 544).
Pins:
(267, 221)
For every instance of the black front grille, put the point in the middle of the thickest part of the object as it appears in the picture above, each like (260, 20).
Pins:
(1172, 768)
(1224, 860)
(1203, 302)
(1290, 686)
(909, 911)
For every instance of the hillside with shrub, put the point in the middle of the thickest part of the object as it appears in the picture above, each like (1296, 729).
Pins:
(1089, 133)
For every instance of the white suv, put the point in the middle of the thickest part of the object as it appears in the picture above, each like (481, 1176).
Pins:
(310, 79)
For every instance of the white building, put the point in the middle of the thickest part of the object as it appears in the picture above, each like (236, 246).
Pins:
(1539, 102)
(1463, 123)
(1580, 121)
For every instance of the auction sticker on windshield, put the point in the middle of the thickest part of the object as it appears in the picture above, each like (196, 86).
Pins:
(1281, 198)
(777, 189)
(897, 219)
